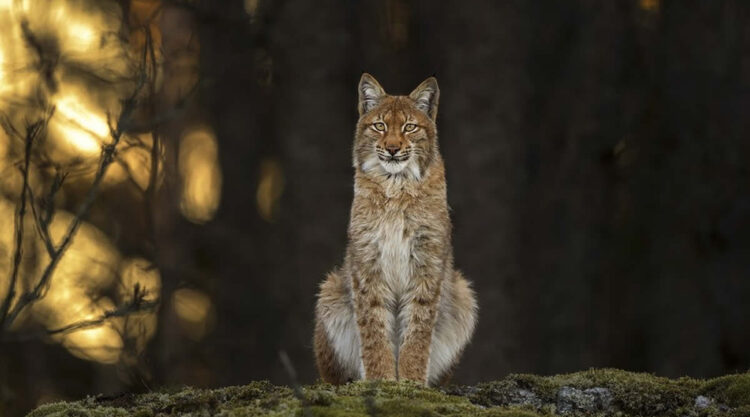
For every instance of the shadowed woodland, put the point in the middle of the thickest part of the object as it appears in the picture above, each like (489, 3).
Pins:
(596, 158)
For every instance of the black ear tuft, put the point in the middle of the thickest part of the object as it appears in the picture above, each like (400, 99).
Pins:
(370, 92)
(426, 97)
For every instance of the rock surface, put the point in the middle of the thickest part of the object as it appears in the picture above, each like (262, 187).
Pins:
(604, 392)
(572, 400)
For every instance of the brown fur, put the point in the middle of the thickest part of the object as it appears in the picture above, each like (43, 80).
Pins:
(396, 309)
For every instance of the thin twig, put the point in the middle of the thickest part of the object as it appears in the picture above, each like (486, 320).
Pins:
(31, 133)
(122, 311)
(369, 400)
(296, 387)
(149, 200)
(137, 305)
(41, 227)
(43, 220)
(47, 62)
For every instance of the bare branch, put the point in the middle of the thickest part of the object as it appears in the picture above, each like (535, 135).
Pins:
(149, 200)
(32, 132)
(41, 227)
(121, 127)
(47, 61)
(138, 304)
(43, 220)
(105, 160)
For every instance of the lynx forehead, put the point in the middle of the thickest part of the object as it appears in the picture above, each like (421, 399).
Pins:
(396, 308)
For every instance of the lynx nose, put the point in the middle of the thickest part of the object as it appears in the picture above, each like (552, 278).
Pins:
(392, 149)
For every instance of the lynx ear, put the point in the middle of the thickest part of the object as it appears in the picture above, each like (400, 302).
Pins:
(370, 92)
(426, 97)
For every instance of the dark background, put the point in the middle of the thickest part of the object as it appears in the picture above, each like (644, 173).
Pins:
(596, 156)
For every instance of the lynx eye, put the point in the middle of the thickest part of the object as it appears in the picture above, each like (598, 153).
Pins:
(409, 127)
(379, 126)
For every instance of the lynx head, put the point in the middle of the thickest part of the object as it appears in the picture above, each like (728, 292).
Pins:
(396, 135)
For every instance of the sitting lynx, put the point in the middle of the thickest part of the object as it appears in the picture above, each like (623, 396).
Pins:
(396, 309)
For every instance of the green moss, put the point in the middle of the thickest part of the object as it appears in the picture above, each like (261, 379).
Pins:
(742, 411)
(596, 392)
(734, 390)
(637, 394)
(77, 410)
(389, 399)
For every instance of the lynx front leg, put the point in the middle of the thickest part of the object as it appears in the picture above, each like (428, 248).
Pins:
(419, 312)
(419, 316)
(374, 321)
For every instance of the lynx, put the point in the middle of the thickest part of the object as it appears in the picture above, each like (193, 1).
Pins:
(396, 309)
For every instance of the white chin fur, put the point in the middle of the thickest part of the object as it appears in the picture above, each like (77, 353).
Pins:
(394, 167)
(408, 168)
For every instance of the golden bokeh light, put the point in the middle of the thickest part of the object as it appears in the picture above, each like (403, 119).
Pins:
(2, 66)
(73, 109)
(85, 82)
(90, 255)
(81, 140)
(91, 70)
(86, 268)
(7, 210)
(82, 36)
(147, 14)
(139, 327)
(10, 56)
(649, 5)
(3, 149)
(90, 266)
(201, 176)
(101, 343)
(14, 84)
(270, 189)
(139, 271)
(79, 125)
(11, 178)
(251, 7)
(134, 163)
(195, 312)
(81, 27)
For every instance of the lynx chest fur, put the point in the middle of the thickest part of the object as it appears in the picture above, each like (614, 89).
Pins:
(389, 231)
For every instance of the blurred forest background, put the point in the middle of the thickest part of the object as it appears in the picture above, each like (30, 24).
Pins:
(177, 176)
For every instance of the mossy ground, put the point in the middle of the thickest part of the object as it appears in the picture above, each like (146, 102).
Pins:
(628, 394)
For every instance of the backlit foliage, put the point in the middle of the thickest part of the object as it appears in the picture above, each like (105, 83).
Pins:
(77, 60)
(67, 55)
